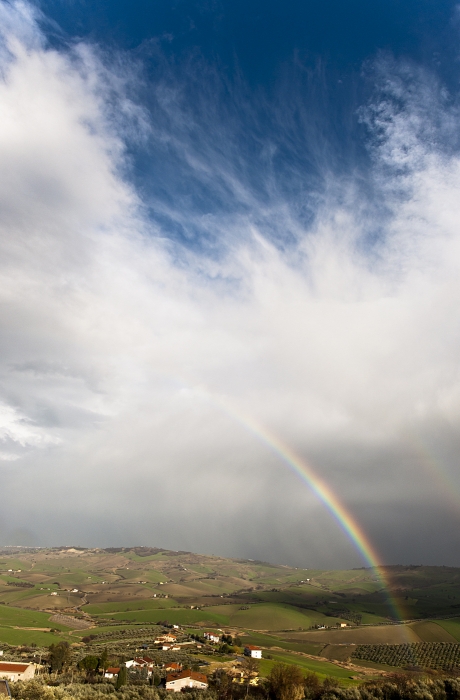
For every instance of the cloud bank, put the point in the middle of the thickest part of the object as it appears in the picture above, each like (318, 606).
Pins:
(132, 310)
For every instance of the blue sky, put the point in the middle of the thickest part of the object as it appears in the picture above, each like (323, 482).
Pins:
(223, 212)
(282, 83)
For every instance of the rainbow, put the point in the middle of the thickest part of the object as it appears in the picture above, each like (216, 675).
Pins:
(324, 493)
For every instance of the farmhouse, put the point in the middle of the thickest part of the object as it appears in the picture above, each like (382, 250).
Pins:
(212, 637)
(165, 638)
(254, 652)
(14, 671)
(141, 662)
(186, 679)
(173, 667)
(112, 671)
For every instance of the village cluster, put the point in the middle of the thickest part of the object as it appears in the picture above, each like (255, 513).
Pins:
(175, 677)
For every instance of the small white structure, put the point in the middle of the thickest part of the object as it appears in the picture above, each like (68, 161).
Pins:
(165, 638)
(212, 637)
(186, 679)
(15, 671)
(112, 671)
(253, 652)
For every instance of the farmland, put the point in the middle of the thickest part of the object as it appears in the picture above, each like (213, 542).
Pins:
(122, 596)
(425, 655)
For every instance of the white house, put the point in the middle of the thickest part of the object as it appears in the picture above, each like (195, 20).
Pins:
(112, 671)
(186, 679)
(15, 671)
(254, 652)
(212, 637)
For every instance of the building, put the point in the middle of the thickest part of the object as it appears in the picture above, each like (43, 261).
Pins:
(15, 671)
(253, 652)
(186, 679)
(240, 677)
(112, 671)
(141, 662)
(166, 638)
(173, 667)
(212, 637)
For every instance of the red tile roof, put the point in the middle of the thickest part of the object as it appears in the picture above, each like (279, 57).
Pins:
(113, 669)
(7, 667)
(194, 675)
(252, 648)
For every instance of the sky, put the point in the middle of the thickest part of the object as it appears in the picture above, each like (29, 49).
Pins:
(216, 215)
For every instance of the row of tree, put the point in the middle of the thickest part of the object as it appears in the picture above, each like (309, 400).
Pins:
(442, 655)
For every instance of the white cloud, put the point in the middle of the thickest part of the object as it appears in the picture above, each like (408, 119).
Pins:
(109, 347)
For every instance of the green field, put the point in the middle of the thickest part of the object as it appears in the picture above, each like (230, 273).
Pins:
(8, 635)
(149, 604)
(451, 626)
(25, 618)
(177, 616)
(273, 616)
(322, 668)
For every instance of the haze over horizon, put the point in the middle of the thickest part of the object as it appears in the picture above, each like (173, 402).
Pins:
(215, 216)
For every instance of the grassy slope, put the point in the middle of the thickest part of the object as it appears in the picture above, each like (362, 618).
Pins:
(149, 604)
(322, 668)
(272, 616)
(9, 635)
(451, 626)
(432, 632)
(25, 618)
(178, 616)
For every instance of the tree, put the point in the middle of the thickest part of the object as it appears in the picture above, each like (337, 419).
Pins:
(122, 677)
(104, 660)
(312, 685)
(286, 682)
(59, 656)
(224, 684)
(90, 664)
(250, 668)
(330, 683)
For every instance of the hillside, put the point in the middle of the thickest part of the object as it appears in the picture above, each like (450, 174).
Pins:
(69, 593)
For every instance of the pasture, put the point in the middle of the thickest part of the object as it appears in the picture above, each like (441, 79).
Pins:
(324, 669)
